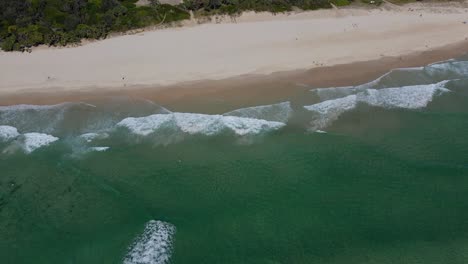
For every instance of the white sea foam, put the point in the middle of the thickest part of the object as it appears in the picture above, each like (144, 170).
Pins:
(280, 112)
(37, 118)
(77, 117)
(32, 141)
(192, 124)
(25, 107)
(146, 125)
(99, 149)
(408, 97)
(248, 126)
(27, 115)
(154, 246)
(331, 107)
(329, 111)
(455, 68)
(384, 81)
(8, 133)
(113, 110)
(334, 92)
(89, 137)
(440, 62)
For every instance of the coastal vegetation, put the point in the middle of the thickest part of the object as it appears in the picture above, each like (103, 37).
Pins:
(210, 7)
(28, 23)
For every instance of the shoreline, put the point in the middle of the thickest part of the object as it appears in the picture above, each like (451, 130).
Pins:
(245, 90)
(261, 57)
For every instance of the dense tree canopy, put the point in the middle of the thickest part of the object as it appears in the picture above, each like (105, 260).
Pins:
(27, 23)
(236, 6)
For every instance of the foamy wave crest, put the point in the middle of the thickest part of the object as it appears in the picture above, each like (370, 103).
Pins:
(203, 124)
(408, 97)
(99, 149)
(83, 143)
(109, 113)
(329, 111)
(89, 137)
(29, 142)
(449, 69)
(76, 118)
(334, 92)
(436, 72)
(26, 107)
(8, 133)
(393, 78)
(280, 112)
(154, 246)
(38, 118)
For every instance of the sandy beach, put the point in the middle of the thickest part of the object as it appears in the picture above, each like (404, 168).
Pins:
(269, 47)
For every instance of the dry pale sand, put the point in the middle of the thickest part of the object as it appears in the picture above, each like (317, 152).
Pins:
(219, 96)
(253, 43)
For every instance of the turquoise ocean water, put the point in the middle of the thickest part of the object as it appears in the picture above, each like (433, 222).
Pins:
(376, 173)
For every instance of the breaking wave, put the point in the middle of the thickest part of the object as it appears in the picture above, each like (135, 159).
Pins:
(192, 124)
(89, 137)
(280, 112)
(27, 142)
(153, 246)
(99, 149)
(88, 142)
(450, 69)
(93, 126)
(32, 141)
(408, 97)
(84, 127)
(75, 118)
(329, 111)
(8, 133)
(39, 118)
(433, 73)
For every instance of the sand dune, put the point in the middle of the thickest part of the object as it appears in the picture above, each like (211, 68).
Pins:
(253, 43)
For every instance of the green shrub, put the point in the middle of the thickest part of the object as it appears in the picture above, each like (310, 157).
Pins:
(27, 23)
(340, 2)
(8, 43)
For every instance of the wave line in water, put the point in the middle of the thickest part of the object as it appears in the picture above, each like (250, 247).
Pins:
(99, 149)
(32, 141)
(280, 112)
(432, 73)
(8, 133)
(27, 142)
(191, 123)
(153, 246)
(89, 137)
(407, 97)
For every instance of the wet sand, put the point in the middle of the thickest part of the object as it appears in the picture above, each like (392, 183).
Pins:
(246, 90)
(257, 56)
